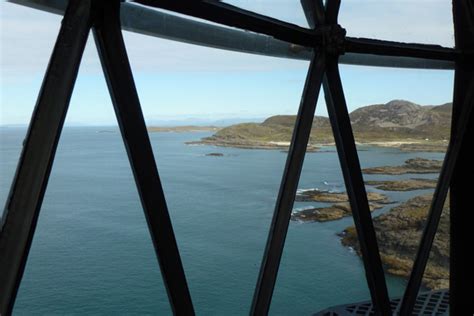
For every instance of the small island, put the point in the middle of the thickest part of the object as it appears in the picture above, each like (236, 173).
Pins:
(215, 154)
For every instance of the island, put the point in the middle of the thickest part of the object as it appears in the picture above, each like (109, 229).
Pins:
(398, 234)
(398, 124)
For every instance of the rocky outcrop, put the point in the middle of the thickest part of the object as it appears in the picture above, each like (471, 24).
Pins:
(403, 185)
(398, 234)
(414, 165)
(330, 213)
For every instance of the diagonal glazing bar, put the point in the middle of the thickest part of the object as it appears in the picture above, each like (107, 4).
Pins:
(346, 148)
(347, 152)
(118, 74)
(464, 120)
(23, 205)
(289, 185)
(230, 15)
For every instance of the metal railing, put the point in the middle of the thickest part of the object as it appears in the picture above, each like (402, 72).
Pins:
(324, 44)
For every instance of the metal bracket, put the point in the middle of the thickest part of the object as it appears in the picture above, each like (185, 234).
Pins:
(333, 39)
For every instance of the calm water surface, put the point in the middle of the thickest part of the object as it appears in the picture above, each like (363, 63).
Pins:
(92, 253)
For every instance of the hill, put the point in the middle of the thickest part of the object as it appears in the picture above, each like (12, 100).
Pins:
(396, 123)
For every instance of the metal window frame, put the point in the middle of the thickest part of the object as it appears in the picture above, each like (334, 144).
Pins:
(326, 45)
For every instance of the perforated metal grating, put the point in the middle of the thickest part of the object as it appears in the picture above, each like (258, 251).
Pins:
(428, 303)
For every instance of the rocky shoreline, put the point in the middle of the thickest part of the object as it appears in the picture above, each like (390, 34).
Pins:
(398, 235)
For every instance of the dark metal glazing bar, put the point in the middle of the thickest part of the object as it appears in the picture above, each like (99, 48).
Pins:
(461, 280)
(346, 148)
(118, 74)
(232, 16)
(289, 185)
(147, 21)
(229, 15)
(389, 48)
(29, 185)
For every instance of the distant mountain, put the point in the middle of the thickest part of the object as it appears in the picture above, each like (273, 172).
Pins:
(396, 121)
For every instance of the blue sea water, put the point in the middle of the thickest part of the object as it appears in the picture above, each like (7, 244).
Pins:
(92, 252)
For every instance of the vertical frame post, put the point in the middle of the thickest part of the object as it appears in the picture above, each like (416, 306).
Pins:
(461, 218)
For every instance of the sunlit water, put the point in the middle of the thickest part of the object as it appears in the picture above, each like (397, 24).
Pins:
(92, 252)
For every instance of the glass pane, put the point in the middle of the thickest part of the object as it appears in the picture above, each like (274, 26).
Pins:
(402, 140)
(399, 21)
(92, 252)
(315, 265)
(221, 152)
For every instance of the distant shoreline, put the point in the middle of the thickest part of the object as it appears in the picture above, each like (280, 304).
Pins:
(183, 129)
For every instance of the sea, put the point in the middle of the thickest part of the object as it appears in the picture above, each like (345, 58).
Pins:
(92, 253)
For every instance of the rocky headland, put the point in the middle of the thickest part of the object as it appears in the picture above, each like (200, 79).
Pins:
(398, 235)
(398, 123)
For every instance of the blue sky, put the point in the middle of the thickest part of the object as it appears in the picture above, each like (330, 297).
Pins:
(178, 81)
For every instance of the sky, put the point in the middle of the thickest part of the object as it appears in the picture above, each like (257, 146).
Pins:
(179, 82)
